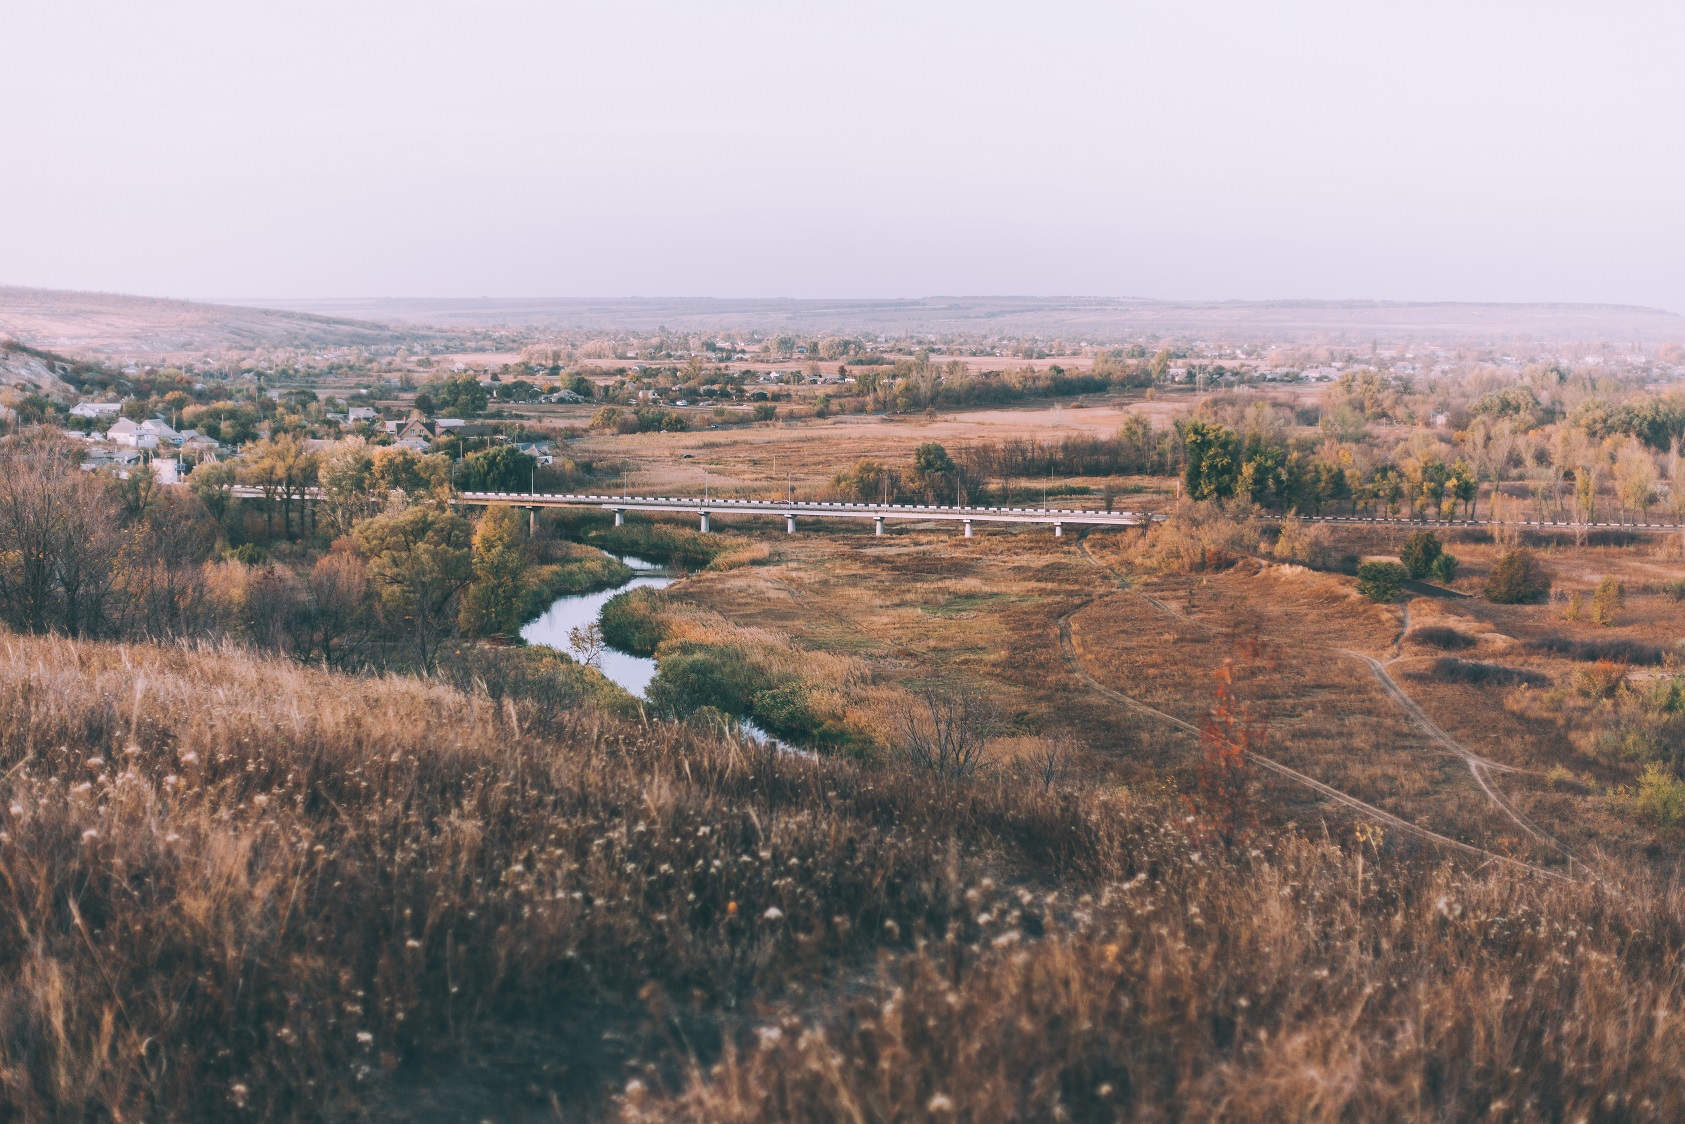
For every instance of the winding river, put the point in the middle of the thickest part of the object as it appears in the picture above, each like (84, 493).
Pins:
(576, 610)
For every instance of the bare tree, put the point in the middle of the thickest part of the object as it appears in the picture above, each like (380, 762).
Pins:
(947, 734)
(58, 539)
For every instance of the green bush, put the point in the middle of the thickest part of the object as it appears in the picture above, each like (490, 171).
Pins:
(1380, 581)
(1517, 579)
(1421, 550)
(631, 621)
(1660, 797)
(696, 676)
(1445, 568)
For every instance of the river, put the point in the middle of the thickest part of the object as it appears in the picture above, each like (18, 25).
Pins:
(576, 610)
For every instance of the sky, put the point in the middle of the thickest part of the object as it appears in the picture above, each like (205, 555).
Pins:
(1180, 150)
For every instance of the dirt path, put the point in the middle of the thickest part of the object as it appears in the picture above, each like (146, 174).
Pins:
(1479, 766)
(1073, 660)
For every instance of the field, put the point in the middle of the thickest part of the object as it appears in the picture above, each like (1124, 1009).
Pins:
(1227, 818)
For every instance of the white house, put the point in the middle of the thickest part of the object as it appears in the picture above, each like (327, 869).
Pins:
(162, 430)
(124, 431)
(361, 414)
(96, 409)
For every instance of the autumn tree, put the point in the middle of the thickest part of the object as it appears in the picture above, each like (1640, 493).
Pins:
(501, 556)
(419, 561)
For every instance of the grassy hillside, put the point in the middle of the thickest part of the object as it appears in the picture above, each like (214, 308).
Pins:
(234, 888)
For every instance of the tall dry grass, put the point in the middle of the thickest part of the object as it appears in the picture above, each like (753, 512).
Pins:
(231, 887)
(233, 884)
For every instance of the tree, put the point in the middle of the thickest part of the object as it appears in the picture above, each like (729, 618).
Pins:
(1421, 550)
(214, 485)
(1516, 579)
(59, 539)
(1380, 581)
(347, 488)
(1212, 465)
(501, 468)
(1608, 601)
(419, 561)
(286, 469)
(404, 477)
(1635, 476)
(492, 604)
(947, 734)
(1221, 800)
(933, 470)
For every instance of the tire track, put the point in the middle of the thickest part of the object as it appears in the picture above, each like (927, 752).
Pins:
(1073, 661)
(1479, 766)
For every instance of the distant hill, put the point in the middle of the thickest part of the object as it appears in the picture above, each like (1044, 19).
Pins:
(46, 372)
(1075, 318)
(110, 325)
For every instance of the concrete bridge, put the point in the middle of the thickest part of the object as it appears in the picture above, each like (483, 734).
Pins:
(704, 508)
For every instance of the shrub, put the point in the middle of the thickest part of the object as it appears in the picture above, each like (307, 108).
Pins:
(1601, 680)
(1445, 568)
(631, 621)
(1516, 580)
(1449, 670)
(1607, 602)
(1447, 639)
(1308, 544)
(1421, 550)
(764, 412)
(1380, 581)
(1618, 651)
(1660, 797)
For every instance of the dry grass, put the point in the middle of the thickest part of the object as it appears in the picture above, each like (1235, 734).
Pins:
(234, 888)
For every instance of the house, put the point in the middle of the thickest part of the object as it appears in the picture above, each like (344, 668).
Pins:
(125, 431)
(96, 409)
(361, 414)
(161, 430)
(198, 445)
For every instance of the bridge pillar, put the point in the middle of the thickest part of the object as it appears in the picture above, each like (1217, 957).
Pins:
(1058, 529)
(620, 517)
(532, 522)
(705, 527)
(968, 528)
(790, 523)
(877, 524)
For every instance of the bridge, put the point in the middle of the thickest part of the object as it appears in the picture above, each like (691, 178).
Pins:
(705, 508)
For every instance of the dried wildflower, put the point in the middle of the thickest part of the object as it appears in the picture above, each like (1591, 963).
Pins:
(773, 913)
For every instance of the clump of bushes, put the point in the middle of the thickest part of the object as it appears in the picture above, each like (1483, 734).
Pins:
(1448, 669)
(1446, 639)
(631, 621)
(1207, 535)
(1380, 581)
(1517, 579)
(1618, 651)
(1660, 797)
(693, 676)
(1308, 544)
(1424, 557)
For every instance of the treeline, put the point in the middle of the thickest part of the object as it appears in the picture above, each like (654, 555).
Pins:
(384, 575)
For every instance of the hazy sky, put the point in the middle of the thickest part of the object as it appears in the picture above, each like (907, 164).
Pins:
(1466, 150)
